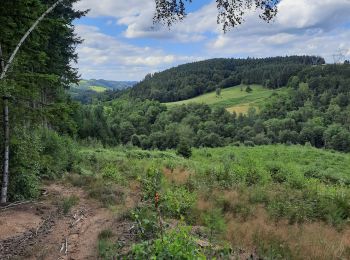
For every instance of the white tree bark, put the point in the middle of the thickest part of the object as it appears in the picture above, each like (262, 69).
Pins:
(5, 177)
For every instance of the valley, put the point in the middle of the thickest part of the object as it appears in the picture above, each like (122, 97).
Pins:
(175, 130)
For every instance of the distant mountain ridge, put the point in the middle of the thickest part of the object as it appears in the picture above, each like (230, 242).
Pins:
(86, 90)
(107, 84)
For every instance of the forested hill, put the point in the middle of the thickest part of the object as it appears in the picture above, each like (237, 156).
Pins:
(193, 79)
(313, 109)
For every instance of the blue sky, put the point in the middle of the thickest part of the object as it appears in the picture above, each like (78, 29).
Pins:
(122, 43)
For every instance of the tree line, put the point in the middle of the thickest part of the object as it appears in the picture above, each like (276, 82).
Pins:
(315, 110)
(193, 79)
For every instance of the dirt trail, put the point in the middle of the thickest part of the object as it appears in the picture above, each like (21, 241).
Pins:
(41, 231)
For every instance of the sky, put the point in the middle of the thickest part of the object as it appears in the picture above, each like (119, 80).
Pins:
(122, 43)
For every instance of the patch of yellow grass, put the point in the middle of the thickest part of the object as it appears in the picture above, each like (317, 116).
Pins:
(177, 176)
(98, 89)
(306, 241)
(241, 109)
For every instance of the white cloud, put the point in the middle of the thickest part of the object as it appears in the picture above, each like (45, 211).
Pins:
(103, 56)
(114, 8)
(303, 14)
(314, 27)
(310, 27)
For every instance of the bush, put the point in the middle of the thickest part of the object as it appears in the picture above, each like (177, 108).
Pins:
(177, 202)
(107, 193)
(215, 223)
(25, 165)
(68, 203)
(249, 143)
(184, 150)
(107, 248)
(151, 183)
(175, 244)
(37, 154)
(110, 172)
(146, 222)
(255, 176)
(270, 246)
(58, 154)
(278, 172)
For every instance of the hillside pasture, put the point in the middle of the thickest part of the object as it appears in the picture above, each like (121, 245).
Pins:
(98, 89)
(234, 99)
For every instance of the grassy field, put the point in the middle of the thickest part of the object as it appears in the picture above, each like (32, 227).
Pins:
(234, 99)
(281, 202)
(98, 89)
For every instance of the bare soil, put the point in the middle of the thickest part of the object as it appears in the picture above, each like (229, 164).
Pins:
(41, 231)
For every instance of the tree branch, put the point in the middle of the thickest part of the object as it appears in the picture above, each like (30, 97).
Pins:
(25, 36)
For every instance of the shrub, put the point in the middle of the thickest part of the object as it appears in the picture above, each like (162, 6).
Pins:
(110, 172)
(270, 246)
(175, 244)
(105, 234)
(107, 193)
(215, 223)
(58, 154)
(25, 164)
(80, 180)
(146, 222)
(278, 172)
(184, 150)
(255, 176)
(177, 202)
(151, 183)
(107, 248)
(249, 143)
(68, 203)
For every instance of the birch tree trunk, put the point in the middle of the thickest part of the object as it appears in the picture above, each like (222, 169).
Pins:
(5, 176)
(4, 69)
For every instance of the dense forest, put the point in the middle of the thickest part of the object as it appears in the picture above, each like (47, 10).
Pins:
(314, 110)
(193, 79)
(40, 110)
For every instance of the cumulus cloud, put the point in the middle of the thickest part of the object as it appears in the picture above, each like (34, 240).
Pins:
(114, 8)
(301, 27)
(104, 56)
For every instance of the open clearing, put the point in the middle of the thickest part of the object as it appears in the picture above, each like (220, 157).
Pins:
(98, 89)
(234, 99)
(274, 200)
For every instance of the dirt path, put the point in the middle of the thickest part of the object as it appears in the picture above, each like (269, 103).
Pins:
(42, 231)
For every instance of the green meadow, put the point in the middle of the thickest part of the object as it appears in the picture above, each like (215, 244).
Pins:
(234, 99)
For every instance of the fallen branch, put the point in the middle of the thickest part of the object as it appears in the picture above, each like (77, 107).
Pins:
(76, 222)
(66, 246)
(42, 224)
(14, 204)
(62, 247)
